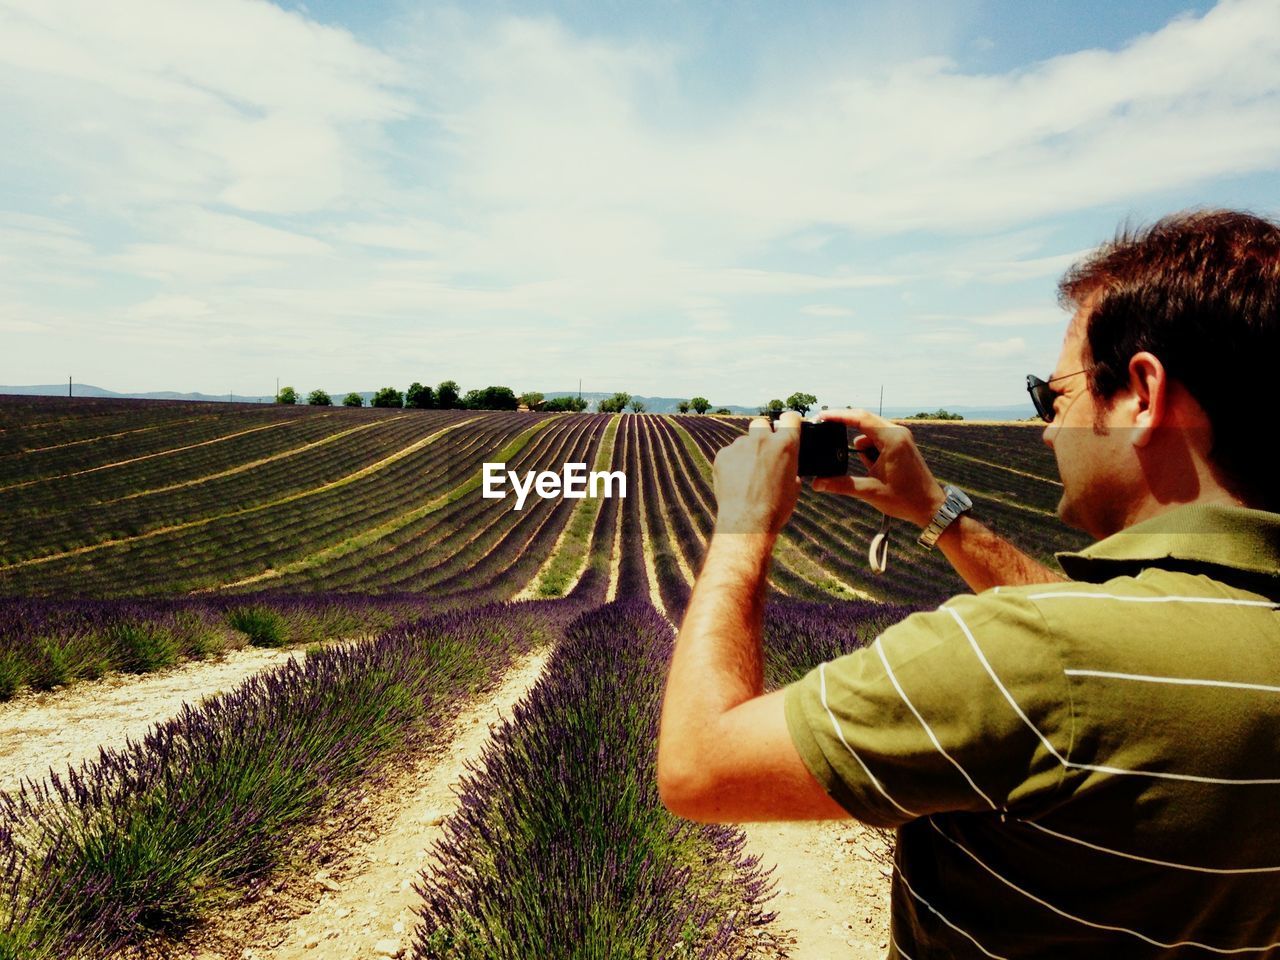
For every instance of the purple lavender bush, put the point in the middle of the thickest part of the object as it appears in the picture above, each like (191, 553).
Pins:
(798, 636)
(143, 840)
(45, 642)
(561, 846)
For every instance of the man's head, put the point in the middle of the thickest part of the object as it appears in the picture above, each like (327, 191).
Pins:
(1192, 306)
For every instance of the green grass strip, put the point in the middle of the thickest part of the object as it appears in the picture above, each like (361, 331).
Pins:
(567, 562)
(695, 452)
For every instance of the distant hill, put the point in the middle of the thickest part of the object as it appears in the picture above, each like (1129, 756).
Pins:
(88, 390)
(1022, 411)
(651, 404)
(1019, 411)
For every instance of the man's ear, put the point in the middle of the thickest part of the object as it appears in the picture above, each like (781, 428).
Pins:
(1149, 388)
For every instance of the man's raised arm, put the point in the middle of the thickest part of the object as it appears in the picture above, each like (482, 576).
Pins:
(900, 484)
(724, 752)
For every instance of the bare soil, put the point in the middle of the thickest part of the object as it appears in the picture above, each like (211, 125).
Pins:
(832, 887)
(67, 725)
(358, 901)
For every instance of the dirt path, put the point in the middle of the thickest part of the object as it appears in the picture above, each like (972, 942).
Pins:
(832, 884)
(65, 726)
(363, 907)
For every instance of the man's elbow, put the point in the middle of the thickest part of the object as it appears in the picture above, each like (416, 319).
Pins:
(683, 786)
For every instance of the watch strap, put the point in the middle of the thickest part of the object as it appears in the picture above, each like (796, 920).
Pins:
(956, 503)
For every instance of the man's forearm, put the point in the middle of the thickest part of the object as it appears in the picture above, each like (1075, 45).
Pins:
(985, 560)
(717, 663)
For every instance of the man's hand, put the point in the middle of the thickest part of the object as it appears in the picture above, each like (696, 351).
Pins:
(755, 477)
(899, 482)
(901, 485)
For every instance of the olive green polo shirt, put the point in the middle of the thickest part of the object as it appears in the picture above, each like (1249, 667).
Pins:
(1078, 769)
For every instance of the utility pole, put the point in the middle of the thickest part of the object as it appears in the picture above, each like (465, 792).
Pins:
(68, 386)
(277, 389)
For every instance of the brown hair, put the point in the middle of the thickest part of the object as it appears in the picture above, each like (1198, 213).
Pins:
(1201, 291)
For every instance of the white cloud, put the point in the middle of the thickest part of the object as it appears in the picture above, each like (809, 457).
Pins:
(237, 101)
(508, 189)
(999, 349)
(170, 307)
(826, 310)
(1043, 316)
(941, 337)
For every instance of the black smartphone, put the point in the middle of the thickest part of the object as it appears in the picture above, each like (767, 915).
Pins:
(824, 449)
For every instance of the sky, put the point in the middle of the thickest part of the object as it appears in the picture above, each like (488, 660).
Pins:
(737, 200)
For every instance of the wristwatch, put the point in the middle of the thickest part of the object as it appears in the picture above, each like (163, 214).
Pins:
(957, 502)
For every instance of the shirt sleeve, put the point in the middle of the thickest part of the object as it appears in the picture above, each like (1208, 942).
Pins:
(965, 708)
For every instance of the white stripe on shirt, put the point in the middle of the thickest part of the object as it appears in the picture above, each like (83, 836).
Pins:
(822, 677)
(1229, 601)
(937, 913)
(879, 648)
(1089, 923)
(897, 946)
(1142, 859)
(1097, 768)
(1181, 681)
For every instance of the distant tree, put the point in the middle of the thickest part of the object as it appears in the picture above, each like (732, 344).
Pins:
(683, 406)
(637, 406)
(772, 409)
(287, 395)
(318, 398)
(388, 397)
(565, 405)
(801, 402)
(724, 411)
(419, 397)
(490, 398)
(533, 400)
(700, 404)
(447, 395)
(936, 415)
(615, 404)
(353, 400)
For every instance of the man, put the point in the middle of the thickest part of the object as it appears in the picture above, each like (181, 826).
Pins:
(1084, 767)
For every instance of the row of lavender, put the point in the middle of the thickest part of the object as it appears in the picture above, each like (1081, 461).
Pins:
(472, 542)
(141, 842)
(52, 434)
(48, 643)
(238, 541)
(560, 845)
(241, 470)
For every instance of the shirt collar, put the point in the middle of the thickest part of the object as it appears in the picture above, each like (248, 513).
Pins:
(1204, 538)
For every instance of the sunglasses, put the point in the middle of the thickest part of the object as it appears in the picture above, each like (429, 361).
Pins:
(1043, 395)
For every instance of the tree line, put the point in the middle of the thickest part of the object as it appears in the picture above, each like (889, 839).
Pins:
(446, 395)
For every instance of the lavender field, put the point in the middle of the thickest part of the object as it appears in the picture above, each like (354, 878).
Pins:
(143, 536)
